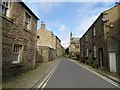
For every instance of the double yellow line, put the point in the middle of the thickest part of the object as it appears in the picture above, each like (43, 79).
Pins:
(45, 81)
(103, 77)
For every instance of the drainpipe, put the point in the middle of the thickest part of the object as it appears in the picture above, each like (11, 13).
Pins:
(105, 20)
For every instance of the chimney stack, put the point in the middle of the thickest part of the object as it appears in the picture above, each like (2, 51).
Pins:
(42, 24)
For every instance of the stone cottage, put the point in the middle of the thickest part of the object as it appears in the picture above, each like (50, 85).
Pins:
(100, 44)
(74, 48)
(19, 26)
(47, 40)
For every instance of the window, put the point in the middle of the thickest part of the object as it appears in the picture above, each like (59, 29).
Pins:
(94, 31)
(27, 22)
(86, 52)
(17, 53)
(38, 37)
(5, 7)
(73, 46)
(94, 50)
(81, 43)
(86, 38)
(76, 46)
(82, 53)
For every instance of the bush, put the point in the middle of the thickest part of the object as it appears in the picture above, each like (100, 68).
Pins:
(89, 62)
(70, 54)
(77, 56)
(95, 64)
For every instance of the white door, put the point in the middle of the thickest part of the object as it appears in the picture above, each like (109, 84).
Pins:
(112, 61)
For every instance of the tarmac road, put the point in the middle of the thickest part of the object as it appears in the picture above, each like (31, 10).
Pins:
(70, 75)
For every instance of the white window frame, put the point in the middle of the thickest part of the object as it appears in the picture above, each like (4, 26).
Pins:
(112, 62)
(76, 46)
(73, 46)
(27, 21)
(94, 50)
(82, 53)
(86, 38)
(17, 53)
(5, 6)
(86, 52)
(94, 31)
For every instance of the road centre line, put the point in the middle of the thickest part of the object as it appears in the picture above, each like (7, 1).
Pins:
(43, 83)
(48, 79)
(45, 79)
(101, 76)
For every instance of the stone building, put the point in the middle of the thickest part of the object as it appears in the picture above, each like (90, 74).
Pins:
(45, 54)
(19, 26)
(74, 48)
(59, 47)
(100, 44)
(46, 38)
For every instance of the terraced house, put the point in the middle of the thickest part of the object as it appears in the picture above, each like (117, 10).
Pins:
(19, 26)
(74, 48)
(48, 45)
(101, 43)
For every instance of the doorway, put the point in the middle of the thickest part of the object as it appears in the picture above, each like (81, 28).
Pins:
(101, 57)
(112, 61)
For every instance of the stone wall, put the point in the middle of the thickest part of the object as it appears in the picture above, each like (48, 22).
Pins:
(113, 34)
(45, 54)
(58, 47)
(74, 47)
(13, 32)
(106, 40)
(74, 50)
(48, 39)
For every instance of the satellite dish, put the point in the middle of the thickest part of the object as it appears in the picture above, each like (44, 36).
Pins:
(104, 19)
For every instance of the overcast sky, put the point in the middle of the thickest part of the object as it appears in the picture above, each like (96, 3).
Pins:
(62, 16)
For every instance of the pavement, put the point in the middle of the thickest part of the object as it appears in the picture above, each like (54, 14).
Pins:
(30, 78)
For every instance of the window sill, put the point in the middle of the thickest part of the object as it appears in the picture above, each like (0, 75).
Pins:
(7, 18)
(16, 65)
(27, 30)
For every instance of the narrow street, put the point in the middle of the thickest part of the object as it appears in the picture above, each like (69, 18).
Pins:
(60, 44)
(70, 75)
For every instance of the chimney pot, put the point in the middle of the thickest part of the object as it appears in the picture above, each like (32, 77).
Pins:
(42, 24)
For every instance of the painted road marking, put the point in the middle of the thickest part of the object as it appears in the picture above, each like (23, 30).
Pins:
(103, 77)
(45, 81)
(48, 79)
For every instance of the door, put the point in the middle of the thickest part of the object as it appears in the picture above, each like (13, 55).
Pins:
(112, 62)
(101, 57)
